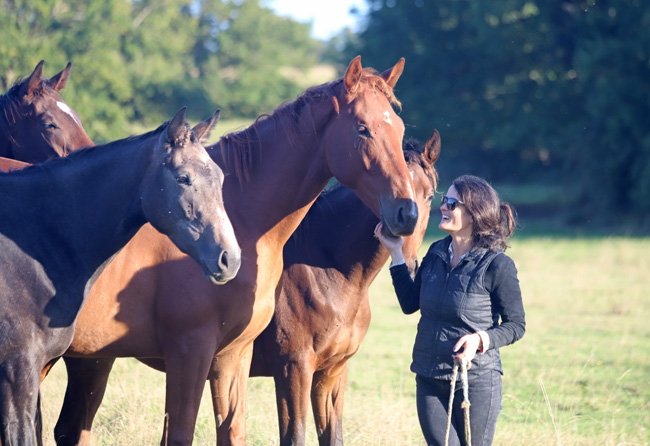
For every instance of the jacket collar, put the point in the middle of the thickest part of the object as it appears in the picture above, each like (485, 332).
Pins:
(441, 249)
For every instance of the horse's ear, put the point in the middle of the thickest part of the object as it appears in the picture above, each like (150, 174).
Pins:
(391, 76)
(353, 75)
(176, 129)
(432, 148)
(34, 80)
(202, 129)
(59, 80)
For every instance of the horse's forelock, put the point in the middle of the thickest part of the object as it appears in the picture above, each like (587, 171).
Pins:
(12, 100)
(185, 136)
(372, 79)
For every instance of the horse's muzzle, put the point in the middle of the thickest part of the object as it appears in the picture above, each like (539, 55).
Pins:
(401, 218)
(224, 268)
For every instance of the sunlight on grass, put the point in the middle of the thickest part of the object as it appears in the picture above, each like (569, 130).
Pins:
(578, 377)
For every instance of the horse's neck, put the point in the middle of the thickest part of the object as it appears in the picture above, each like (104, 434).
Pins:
(81, 210)
(5, 148)
(5, 139)
(339, 231)
(286, 178)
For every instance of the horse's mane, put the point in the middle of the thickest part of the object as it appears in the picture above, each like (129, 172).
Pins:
(11, 109)
(241, 149)
(85, 153)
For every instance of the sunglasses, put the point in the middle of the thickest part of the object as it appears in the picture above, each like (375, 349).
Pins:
(450, 202)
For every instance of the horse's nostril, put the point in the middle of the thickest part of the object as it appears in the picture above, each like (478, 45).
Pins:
(223, 260)
(407, 214)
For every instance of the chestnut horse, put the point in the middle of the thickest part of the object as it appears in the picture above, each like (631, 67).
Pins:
(35, 123)
(275, 170)
(61, 222)
(322, 310)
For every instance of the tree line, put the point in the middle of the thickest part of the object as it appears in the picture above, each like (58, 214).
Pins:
(553, 92)
(140, 60)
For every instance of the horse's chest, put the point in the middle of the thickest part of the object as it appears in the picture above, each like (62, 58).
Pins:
(339, 348)
(338, 341)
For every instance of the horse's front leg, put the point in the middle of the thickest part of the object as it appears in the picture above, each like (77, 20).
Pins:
(228, 381)
(187, 363)
(293, 379)
(19, 383)
(87, 380)
(327, 402)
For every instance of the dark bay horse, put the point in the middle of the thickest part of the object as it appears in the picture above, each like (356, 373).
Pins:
(276, 169)
(61, 222)
(35, 123)
(322, 309)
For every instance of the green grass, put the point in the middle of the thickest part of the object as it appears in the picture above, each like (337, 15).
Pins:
(579, 377)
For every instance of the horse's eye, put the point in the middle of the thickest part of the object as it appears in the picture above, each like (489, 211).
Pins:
(363, 130)
(184, 179)
(51, 125)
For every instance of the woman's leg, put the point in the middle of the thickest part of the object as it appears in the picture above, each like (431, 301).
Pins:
(485, 399)
(485, 404)
(432, 397)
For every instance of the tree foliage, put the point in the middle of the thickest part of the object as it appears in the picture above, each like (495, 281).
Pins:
(521, 90)
(555, 90)
(141, 60)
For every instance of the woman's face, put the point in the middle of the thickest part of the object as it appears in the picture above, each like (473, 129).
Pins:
(457, 222)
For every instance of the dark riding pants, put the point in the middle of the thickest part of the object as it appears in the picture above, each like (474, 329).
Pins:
(433, 399)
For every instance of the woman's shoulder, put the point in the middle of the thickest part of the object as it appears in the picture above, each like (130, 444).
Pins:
(442, 243)
(500, 259)
(441, 247)
(501, 265)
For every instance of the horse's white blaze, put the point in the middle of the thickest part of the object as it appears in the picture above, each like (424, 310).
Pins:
(387, 118)
(67, 110)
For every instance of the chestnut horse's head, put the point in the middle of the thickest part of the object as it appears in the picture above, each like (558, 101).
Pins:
(421, 163)
(35, 123)
(363, 145)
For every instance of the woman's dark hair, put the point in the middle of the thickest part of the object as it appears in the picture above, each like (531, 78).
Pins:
(494, 221)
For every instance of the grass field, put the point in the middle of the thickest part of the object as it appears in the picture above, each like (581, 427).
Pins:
(580, 376)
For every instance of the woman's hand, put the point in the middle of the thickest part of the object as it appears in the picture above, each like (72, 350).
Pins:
(470, 344)
(391, 243)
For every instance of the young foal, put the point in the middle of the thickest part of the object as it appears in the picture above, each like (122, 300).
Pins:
(322, 310)
(277, 168)
(35, 123)
(62, 221)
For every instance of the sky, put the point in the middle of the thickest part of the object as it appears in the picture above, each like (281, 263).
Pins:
(327, 16)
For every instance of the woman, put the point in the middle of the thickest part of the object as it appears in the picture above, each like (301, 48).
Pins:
(468, 295)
